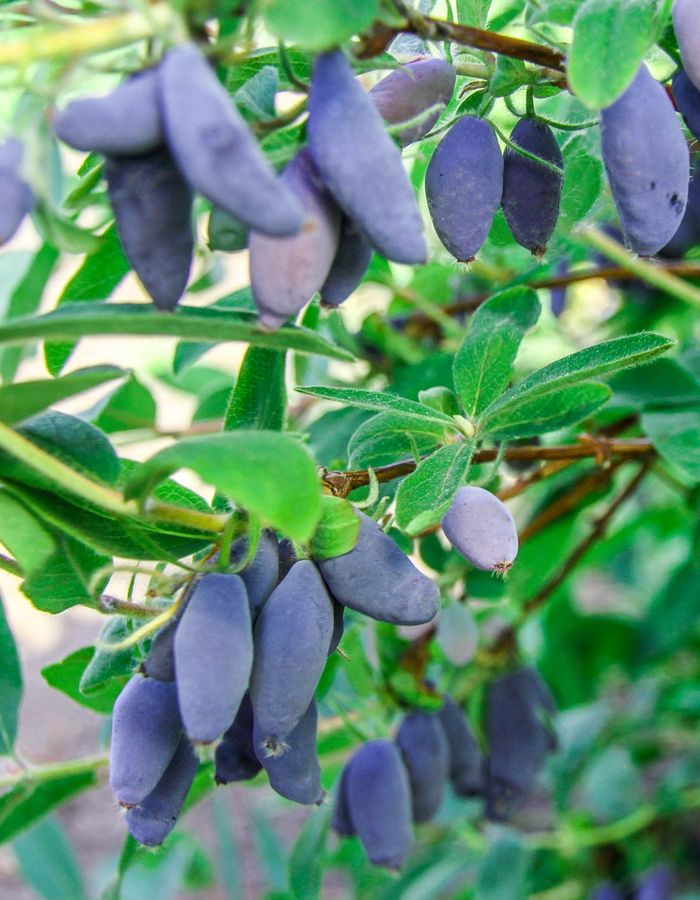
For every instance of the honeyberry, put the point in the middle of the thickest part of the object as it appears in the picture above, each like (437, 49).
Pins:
(425, 753)
(17, 197)
(286, 272)
(465, 760)
(360, 163)
(146, 730)
(294, 773)
(213, 656)
(686, 24)
(378, 579)
(235, 758)
(531, 191)
(647, 163)
(349, 264)
(463, 186)
(482, 529)
(152, 206)
(215, 149)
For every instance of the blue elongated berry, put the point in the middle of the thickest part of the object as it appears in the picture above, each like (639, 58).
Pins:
(688, 233)
(360, 163)
(341, 822)
(213, 656)
(378, 579)
(415, 88)
(215, 149)
(463, 186)
(260, 575)
(379, 800)
(235, 758)
(16, 197)
(465, 759)
(647, 163)
(292, 638)
(686, 23)
(531, 191)
(349, 265)
(294, 773)
(425, 753)
(154, 818)
(519, 738)
(480, 527)
(285, 272)
(146, 730)
(153, 210)
(125, 122)
(657, 884)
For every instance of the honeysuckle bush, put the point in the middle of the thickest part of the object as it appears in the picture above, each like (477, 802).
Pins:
(567, 383)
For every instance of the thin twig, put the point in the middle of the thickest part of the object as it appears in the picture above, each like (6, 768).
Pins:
(432, 29)
(340, 484)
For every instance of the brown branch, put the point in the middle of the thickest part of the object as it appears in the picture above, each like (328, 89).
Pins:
(431, 29)
(109, 604)
(340, 484)
(421, 324)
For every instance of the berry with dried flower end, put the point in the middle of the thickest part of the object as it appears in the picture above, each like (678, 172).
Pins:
(647, 162)
(215, 149)
(146, 730)
(292, 638)
(293, 768)
(152, 206)
(360, 163)
(154, 818)
(213, 656)
(425, 753)
(463, 186)
(285, 272)
(378, 579)
(125, 122)
(480, 527)
(379, 800)
(531, 191)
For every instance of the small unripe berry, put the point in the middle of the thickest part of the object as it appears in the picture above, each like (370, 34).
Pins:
(480, 527)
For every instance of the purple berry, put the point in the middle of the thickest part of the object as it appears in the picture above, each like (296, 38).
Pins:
(423, 745)
(463, 186)
(360, 163)
(479, 526)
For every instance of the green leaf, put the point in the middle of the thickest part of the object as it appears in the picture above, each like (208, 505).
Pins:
(256, 99)
(47, 862)
(483, 365)
(24, 300)
(508, 76)
(65, 676)
(676, 436)
(387, 437)
(425, 495)
(660, 384)
(191, 322)
(259, 399)
(105, 665)
(305, 860)
(27, 803)
(321, 25)
(95, 280)
(337, 529)
(245, 69)
(473, 12)
(10, 686)
(538, 415)
(593, 362)
(673, 613)
(65, 580)
(609, 42)
(408, 409)
(226, 233)
(267, 473)
(583, 179)
(27, 398)
(503, 870)
(130, 407)
(22, 533)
